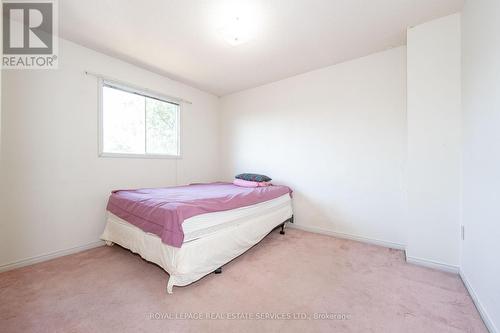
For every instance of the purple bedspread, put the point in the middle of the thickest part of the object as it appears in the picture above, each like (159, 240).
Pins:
(161, 211)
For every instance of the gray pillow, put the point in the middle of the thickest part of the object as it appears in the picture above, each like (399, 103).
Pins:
(253, 177)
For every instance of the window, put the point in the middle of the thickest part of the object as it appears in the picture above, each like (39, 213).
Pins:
(135, 123)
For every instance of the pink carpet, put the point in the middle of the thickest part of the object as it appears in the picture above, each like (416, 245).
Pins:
(362, 288)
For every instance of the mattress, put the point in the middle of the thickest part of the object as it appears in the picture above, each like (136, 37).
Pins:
(225, 236)
(163, 210)
(207, 224)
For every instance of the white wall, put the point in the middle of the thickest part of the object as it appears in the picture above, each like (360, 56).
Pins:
(481, 155)
(336, 135)
(54, 185)
(3, 236)
(434, 121)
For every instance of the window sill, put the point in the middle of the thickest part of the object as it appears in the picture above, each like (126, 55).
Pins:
(143, 156)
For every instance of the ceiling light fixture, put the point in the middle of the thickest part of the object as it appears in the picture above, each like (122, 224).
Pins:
(236, 32)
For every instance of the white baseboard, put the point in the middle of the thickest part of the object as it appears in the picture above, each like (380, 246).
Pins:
(413, 260)
(48, 256)
(433, 264)
(480, 308)
(348, 236)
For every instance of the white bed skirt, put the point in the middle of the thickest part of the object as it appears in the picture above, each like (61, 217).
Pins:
(201, 256)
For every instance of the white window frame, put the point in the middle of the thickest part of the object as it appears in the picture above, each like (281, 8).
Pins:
(145, 93)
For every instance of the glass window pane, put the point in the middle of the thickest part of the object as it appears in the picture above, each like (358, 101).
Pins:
(161, 127)
(123, 122)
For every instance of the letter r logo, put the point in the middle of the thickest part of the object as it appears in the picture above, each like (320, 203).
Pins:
(27, 28)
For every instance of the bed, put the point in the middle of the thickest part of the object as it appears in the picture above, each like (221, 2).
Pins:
(191, 231)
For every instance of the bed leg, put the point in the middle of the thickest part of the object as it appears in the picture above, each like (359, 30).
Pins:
(282, 229)
(218, 270)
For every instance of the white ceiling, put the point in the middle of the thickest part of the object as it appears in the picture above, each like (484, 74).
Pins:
(181, 38)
